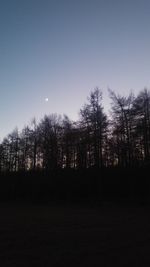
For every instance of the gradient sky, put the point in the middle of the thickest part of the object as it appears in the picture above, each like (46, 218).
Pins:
(62, 49)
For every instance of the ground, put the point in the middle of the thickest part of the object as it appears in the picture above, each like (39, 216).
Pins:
(52, 235)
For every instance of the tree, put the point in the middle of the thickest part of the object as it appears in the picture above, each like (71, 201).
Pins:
(122, 122)
(67, 142)
(141, 109)
(14, 139)
(49, 132)
(94, 123)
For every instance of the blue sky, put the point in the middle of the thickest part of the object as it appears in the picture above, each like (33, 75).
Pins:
(62, 49)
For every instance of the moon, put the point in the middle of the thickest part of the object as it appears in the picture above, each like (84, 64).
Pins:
(46, 99)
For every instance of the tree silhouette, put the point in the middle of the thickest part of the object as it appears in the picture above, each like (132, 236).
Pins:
(93, 141)
(141, 109)
(49, 133)
(122, 127)
(95, 124)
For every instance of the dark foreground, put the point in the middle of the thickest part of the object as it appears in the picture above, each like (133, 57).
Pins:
(52, 235)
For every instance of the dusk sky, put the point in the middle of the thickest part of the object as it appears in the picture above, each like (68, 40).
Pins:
(62, 49)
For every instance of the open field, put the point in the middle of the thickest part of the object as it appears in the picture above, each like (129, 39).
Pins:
(50, 235)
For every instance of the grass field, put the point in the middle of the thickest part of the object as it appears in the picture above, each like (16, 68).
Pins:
(50, 235)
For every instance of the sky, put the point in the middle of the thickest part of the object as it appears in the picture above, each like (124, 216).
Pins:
(60, 50)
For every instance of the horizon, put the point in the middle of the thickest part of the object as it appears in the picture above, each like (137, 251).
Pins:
(62, 50)
(106, 109)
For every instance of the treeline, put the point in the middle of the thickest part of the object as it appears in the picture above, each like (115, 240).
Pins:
(95, 140)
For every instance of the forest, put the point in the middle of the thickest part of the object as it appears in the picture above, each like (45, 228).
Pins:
(97, 155)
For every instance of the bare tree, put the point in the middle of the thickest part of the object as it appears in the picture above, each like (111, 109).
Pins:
(141, 109)
(49, 130)
(95, 123)
(122, 121)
